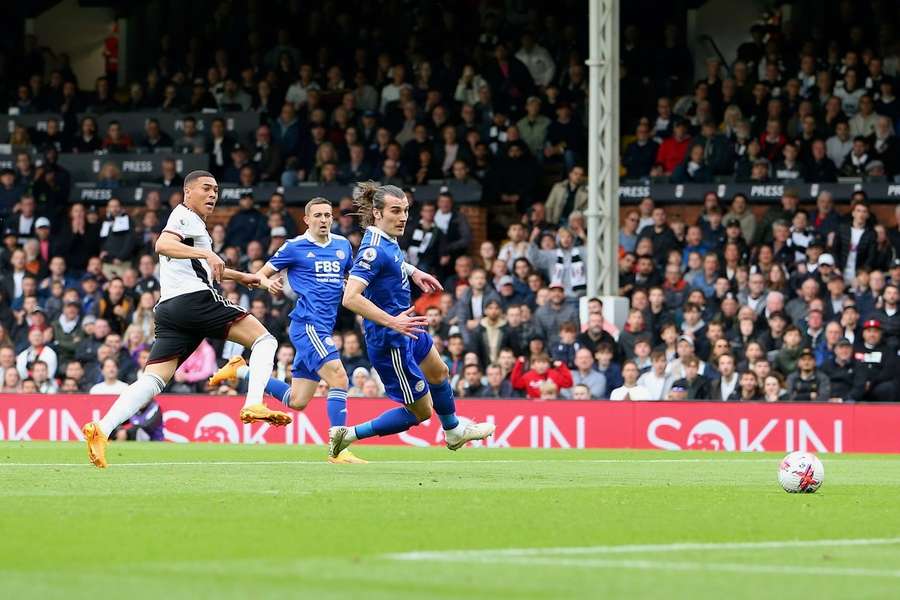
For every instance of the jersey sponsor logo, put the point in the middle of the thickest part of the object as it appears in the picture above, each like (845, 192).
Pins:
(420, 386)
(370, 254)
(310, 255)
(340, 254)
(328, 266)
(396, 258)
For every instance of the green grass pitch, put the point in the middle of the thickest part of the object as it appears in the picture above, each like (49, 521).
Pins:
(218, 521)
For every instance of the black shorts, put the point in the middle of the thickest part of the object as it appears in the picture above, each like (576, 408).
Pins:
(184, 321)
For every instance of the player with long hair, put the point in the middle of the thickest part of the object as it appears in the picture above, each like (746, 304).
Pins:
(399, 348)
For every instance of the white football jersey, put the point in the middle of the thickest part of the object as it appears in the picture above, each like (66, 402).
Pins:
(179, 276)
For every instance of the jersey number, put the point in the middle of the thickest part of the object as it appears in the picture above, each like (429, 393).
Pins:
(328, 266)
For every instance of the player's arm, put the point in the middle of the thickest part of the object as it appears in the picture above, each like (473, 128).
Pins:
(405, 323)
(273, 286)
(427, 283)
(169, 244)
(249, 280)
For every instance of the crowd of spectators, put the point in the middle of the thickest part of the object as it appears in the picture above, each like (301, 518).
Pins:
(785, 109)
(793, 304)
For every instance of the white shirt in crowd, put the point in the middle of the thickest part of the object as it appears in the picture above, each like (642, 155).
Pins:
(113, 389)
(636, 392)
(657, 386)
(850, 267)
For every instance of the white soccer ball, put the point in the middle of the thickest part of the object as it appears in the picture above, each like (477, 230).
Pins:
(801, 472)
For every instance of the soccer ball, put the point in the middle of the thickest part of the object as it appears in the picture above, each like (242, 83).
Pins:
(801, 472)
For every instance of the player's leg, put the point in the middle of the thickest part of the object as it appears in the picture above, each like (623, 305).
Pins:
(456, 434)
(161, 366)
(249, 332)
(404, 383)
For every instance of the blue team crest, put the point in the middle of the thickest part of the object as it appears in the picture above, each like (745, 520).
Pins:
(370, 254)
(329, 341)
(340, 254)
(420, 385)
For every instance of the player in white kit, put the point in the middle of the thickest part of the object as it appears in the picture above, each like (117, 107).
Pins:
(189, 310)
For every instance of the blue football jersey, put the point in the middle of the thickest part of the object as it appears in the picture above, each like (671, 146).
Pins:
(316, 273)
(379, 263)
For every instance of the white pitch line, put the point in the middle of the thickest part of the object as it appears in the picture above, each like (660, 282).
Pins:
(516, 553)
(656, 565)
(415, 462)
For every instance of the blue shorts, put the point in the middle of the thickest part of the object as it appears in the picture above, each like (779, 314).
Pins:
(312, 349)
(398, 367)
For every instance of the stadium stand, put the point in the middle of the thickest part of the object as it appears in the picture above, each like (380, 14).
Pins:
(759, 234)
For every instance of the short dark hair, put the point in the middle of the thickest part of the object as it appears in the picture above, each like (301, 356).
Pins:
(195, 175)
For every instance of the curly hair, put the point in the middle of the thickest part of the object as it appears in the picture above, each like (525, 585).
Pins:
(369, 195)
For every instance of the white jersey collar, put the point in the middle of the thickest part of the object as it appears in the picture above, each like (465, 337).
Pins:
(310, 238)
(374, 229)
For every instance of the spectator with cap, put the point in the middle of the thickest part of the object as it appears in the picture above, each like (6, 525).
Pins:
(874, 378)
(841, 371)
(807, 383)
(509, 295)
(277, 236)
(556, 311)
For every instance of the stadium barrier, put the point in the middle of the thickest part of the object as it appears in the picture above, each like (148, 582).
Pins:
(230, 193)
(745, 427)
(631, 192)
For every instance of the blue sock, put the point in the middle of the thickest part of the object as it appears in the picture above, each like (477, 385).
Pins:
(387, 423)
(280, 390)
(337, 407)
(444, 405)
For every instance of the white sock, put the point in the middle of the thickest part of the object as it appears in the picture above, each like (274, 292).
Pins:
(132, 400)
(243, 372)
(262, 357)
(350, 436)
